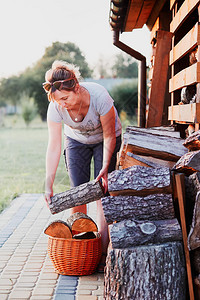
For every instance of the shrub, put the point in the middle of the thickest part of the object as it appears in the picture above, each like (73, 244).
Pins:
(125, 96)
(28, 109)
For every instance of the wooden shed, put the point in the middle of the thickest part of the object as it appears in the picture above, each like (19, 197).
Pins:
(173, 96)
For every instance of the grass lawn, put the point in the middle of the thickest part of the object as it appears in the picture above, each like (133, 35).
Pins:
(22, 160)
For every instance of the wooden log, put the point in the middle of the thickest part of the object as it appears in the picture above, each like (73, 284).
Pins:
(80, 222)
(131, 233)
(131, 159)
(195, 261)
(150, 272)
(194, 234)
(82, 194)
(197, 287)
(139, 180)
(159, 130)
(188, 163)
(143, 142)
(180, 186)
(59, 229)
(151, 207)
(193, 141)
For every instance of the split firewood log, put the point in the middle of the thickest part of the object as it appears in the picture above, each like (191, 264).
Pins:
(150, 272)
(197, 287)
(131, 159)
(157, 130)
(188, 163)
(139, 180)
(80, 222)
(194, 234)
(153, 143)
(151, 207)
(82, 194)
(193, 141)
(59, 229)
(131, 233)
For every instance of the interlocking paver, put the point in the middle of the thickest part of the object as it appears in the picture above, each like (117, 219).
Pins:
(26, 271)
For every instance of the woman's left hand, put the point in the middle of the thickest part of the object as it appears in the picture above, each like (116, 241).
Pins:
(103, 174)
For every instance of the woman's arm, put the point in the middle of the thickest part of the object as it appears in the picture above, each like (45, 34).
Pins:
(52, 156)
(109, 137)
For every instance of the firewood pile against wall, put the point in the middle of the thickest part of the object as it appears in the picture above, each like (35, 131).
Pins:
(146, 256)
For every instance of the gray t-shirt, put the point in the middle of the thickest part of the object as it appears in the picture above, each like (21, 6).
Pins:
(89, 130)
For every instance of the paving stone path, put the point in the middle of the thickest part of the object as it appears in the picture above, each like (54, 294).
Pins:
(26, 271)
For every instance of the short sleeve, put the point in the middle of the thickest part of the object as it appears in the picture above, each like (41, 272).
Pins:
(104, 102)
(53, 113)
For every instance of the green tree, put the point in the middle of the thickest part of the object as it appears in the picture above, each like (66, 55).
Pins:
(125, 66)
(125, 96)
(10, 90)
(32, 78)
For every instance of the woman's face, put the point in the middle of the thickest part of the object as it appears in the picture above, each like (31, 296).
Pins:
(66, 99)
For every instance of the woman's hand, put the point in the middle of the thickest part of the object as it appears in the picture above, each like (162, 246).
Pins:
(103, 174)
(47, 196)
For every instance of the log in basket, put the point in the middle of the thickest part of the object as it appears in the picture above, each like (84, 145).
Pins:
(70, 255)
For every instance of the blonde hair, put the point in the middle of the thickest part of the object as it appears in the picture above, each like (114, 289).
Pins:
(62, 70)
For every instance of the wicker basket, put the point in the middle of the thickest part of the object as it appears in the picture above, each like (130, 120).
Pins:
(73, 256)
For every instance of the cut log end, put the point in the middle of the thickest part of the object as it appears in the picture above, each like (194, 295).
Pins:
(58, 229)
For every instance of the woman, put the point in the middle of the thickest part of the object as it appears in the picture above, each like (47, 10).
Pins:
(91, 129)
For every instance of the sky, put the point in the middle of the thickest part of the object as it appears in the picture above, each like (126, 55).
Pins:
(29, 26)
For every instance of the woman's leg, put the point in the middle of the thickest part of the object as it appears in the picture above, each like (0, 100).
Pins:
(77, 158)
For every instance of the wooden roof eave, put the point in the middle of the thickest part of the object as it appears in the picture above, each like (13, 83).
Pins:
(132, 14)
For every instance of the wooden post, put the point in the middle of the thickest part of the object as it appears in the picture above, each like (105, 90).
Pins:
(180, 192)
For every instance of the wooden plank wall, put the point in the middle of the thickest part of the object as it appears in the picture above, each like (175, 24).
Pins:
(186, 39)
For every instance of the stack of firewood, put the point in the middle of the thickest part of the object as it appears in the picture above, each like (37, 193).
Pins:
(146, 257)
(189, 164)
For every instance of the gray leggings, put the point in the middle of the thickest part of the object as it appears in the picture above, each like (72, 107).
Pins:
(78, 159)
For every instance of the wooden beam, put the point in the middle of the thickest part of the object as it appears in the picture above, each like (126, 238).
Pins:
(187, 76)
(159, 80)
(185, 113)
(190, 40)
(155, 13)
(133, 14)
(186, 8)
(181, 194)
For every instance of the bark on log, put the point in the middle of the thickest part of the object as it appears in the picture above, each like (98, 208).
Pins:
(161, 130)
(131, 233)
(152, 272)
(80, 222)
(59, 229)
(131, 159)
(195, 261)
(188, 163)
(194, 234)
(144, 142)
(138, 180)
(197, 287)
(151, 207)
(193, 141)
(82, 194)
